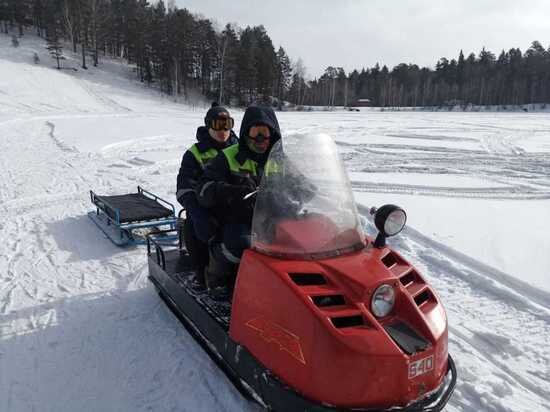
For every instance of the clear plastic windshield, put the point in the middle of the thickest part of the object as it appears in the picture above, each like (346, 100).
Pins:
(305, 207)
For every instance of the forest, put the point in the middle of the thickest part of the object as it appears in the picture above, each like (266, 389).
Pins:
(185, 54)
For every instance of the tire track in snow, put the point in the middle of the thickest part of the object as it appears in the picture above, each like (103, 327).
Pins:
(102, 97)
(509, 193)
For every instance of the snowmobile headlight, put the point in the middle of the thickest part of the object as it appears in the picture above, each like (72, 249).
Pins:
(383, 301)
(390, 219)
(395, 222)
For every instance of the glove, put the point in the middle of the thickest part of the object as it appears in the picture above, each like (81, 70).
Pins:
(227, 192)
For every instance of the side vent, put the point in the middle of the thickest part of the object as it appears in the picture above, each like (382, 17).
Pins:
(348, 321)
(412, 282)
(424, 297)
(395, 264)
(308, 279)
(410, 278)
(390, 260)
(330, 300)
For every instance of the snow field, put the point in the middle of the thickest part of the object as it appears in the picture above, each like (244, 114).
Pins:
(81, 328)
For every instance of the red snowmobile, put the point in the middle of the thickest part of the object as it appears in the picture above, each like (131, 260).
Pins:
(321, 317)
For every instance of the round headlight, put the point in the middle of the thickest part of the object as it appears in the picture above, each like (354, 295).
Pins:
(395, 222)
(389, 219)
(383, 301)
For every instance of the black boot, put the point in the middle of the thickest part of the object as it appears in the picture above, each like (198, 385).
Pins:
(220, 271)
(198, 282)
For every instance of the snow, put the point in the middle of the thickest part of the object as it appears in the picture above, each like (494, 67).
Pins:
(424, 180)
(81, 328)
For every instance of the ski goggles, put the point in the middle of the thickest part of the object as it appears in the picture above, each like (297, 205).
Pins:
(259, 134)
(222, 123)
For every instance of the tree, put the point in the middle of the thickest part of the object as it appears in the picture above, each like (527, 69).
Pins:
(54, 32)
(284, 75)
(298, 86)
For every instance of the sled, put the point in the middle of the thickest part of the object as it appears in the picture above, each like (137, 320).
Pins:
(127, 219)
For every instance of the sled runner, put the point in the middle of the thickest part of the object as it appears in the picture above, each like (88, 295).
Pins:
(126, 219)
(321, 317)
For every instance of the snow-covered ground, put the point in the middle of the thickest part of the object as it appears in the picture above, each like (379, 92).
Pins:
(82, 329)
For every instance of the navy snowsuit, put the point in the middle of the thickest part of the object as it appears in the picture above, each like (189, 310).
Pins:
(235, 172)
(200, 224)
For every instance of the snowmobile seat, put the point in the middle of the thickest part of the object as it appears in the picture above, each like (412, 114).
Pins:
(125, 218)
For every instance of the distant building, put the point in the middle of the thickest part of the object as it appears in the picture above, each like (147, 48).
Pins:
(361, 103)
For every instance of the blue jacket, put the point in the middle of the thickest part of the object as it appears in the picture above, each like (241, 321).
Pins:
(191, 169)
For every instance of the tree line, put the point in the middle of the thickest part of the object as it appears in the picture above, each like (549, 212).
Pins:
(182, 53)
(512, 78)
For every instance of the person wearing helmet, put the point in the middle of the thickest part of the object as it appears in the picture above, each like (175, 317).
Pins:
(226, 182)
(200, 225)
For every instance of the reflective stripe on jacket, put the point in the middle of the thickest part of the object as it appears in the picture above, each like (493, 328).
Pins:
(203, 157)
(248, 168)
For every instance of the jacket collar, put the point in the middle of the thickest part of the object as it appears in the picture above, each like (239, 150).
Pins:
(205, 142)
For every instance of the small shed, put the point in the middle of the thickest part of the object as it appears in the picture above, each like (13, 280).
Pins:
(361, 103)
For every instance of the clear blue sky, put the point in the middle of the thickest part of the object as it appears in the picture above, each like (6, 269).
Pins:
(359, 33)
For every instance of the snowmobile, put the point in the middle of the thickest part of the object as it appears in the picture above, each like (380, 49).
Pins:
(321, 317)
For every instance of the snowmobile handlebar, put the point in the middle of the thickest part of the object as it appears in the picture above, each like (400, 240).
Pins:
(250, 195)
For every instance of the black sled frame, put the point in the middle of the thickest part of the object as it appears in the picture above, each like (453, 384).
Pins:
(123, 217)
(207, 320)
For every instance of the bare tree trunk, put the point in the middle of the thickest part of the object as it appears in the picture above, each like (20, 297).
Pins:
(84, 54)
(346, 92)
(69, 23)
(176, 77)
(481, 91)
(222, 65)
(94, 10)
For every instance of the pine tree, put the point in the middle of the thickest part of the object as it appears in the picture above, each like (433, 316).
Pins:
(228, 53)
(284, 75)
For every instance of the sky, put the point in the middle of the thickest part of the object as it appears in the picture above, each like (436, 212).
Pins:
(359, 33)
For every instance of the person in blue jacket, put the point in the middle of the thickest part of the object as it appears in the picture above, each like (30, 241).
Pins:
(201, 225)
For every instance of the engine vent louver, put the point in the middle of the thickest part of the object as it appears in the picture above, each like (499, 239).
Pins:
(329, 300)
(409, 278)
(308, 279)
(423, 297)
(348, 321)
(390, 260)
(395, 264)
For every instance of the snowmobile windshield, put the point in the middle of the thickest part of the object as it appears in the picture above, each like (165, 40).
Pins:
(305, 207)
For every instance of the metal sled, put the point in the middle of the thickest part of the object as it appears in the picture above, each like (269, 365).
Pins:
(127, 219)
